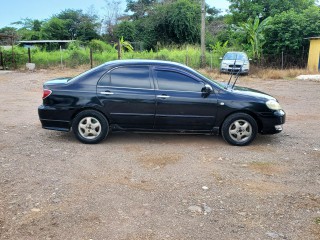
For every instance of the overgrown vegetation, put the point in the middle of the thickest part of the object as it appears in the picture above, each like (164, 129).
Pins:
(75, 55)
(262, 28)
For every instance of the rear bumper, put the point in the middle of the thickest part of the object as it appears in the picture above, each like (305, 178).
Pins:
(272, 122)
(54, 119)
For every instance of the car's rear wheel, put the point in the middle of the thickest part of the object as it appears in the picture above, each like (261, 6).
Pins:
(239, 129)
(90, 127)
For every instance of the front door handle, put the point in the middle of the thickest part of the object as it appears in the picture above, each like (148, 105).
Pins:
(163, 96)
(107, 93)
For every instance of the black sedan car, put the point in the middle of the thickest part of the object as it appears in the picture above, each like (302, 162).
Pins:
(156, 96)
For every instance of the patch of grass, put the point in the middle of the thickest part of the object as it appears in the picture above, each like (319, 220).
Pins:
(217, 176)
(270, 73)
(262, 187)
(317, 220)
(265, 168)
(160, 160)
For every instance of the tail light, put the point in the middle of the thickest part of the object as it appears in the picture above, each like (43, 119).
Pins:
(46, 93)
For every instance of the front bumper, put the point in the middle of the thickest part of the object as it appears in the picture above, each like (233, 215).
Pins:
(272, 122)
(234, 70)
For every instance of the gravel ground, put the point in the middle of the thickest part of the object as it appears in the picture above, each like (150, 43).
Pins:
(148, 186)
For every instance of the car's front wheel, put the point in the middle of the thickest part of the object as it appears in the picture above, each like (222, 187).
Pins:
(90, 127)
(239, 129)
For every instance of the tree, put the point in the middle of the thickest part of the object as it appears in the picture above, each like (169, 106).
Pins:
(29, 29)
(242, 10)
(254, 30)
(178, 22)
(29, 24)
(79, 25)
(287, 31)
(164, 22)
(311, 23)
(125, 29)
(112, 15)
(8, 30)
(212, 13)
(140, 8)
(146, 32)
(56, 29)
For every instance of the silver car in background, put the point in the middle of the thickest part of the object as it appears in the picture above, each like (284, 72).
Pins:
(234, 62)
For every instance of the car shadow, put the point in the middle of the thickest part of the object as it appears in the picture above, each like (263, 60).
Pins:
(157, 138)
(161, 138)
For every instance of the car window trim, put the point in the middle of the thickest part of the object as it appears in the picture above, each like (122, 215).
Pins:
(178, 91)
(104, 86)
(177, 70)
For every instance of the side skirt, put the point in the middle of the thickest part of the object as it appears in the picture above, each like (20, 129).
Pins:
(214, 131)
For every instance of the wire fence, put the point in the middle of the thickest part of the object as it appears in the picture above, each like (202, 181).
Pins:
(15, 59)
(284, 60)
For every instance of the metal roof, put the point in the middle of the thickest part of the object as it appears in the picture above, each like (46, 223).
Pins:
(47, 41)
(313, 38)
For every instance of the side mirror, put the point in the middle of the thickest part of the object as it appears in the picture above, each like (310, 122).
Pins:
(220, 58)
(206, 90)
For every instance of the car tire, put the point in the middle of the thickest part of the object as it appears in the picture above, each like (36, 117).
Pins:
(90, 127)
(239, 129)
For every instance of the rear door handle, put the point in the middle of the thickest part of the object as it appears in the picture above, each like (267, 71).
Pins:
(163, 96)
(107, 93)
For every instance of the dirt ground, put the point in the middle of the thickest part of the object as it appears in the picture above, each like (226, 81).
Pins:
(148, 186)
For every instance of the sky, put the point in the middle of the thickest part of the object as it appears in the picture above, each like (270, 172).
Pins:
(15, 10)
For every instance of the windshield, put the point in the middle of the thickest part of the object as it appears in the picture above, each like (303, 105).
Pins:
(235, 56)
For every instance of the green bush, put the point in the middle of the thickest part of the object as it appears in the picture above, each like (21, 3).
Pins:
(75, 45)
(78, 57)
(100, 46)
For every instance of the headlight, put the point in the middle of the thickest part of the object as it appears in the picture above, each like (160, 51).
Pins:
(273, 105)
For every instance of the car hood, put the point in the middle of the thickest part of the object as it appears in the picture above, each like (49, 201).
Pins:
(248, 92)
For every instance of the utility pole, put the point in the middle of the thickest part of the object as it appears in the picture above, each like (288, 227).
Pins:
(203, 34)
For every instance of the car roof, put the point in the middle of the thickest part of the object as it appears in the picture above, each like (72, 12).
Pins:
(237, 53)
(143, 61)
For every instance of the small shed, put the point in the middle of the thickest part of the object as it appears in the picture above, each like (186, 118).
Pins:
(314, 54)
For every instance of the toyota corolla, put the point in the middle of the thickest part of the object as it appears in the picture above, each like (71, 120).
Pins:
(156, 96)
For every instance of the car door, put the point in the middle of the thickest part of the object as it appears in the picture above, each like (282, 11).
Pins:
(180, 103)
(128, 97)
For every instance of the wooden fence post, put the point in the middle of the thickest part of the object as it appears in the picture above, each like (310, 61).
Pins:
(91, 58)
(61, 61)
(29, 56)
(12, 55)
(187, 57)
(1, 61)
(119, 49)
